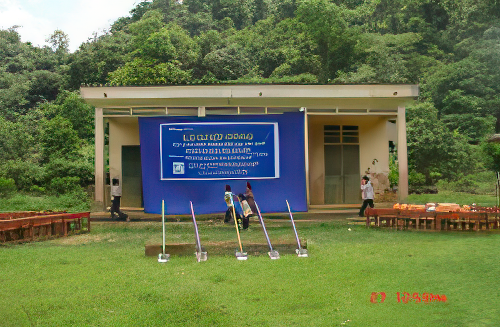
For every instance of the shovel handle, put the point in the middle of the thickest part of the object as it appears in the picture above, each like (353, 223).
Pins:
(163, 223)
(293, 224)
(236, 225)
(263, 227)
(198, 243)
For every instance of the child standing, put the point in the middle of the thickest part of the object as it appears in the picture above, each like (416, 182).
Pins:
(228, 197)
(250, 199)
(247, 211)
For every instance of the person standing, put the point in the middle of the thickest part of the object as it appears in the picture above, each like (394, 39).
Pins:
(116, 194)
(247, 211)
(366, 194)
(228, 198)
(250, 199)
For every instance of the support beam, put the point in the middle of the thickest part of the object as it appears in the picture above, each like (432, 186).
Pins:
(99, 158)
(201, 112)
(306, 152)
(402, 156)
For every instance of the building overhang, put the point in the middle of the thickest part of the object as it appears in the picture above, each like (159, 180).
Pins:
(216, 98)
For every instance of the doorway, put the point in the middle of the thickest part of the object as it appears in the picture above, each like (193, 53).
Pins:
(132, 177)
(342, 179)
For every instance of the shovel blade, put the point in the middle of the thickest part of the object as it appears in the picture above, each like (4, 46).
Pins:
(201, 256)
(274, 255)
(163, 257)
(241, 255)
(302, 253)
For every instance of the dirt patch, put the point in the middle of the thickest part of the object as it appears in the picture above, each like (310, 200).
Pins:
(85, 239)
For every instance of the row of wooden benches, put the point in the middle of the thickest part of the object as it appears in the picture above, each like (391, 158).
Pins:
(421, 219)
(25, 214)
(49, 225)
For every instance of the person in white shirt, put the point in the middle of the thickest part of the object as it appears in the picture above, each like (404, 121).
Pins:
(116, 194)
(366, 194)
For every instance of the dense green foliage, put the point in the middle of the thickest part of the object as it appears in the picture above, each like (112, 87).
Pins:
(450, 48)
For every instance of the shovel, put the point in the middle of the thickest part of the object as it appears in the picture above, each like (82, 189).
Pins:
(239, 255)
(163, 257)
(300, 251)
(273, 254)
(200, 254)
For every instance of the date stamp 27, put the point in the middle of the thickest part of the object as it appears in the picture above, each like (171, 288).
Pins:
(405, 297)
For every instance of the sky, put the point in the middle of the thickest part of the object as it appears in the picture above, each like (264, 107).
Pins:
(79, 19)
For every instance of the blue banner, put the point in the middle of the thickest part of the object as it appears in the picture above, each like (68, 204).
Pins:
(194, 151)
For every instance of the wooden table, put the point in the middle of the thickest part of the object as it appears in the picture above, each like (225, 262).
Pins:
(419, 219)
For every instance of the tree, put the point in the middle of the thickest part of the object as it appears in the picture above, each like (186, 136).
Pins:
(58, 139)
(474, 128)
(433, 149)
(260, 10)
(227, 63)
(95, 59)
(16, 141)
(149, 72)
(78, 112)
(469, 85)
(59, 42)
(44, 86)
(151, 21)
(491, 153)
(335, 40)
(240, 11)
(168, 44)
(386, 58)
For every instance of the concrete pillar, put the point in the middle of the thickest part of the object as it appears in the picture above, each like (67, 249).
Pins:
(306, 153)
(100, 179)
(201, 112)
(402, 156)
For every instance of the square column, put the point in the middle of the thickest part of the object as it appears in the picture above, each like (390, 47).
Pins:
(402, 155)
(99, 158)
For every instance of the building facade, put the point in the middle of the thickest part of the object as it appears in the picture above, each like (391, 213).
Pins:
(325, 138)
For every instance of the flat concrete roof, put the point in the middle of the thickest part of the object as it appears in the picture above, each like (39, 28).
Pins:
(246, 95)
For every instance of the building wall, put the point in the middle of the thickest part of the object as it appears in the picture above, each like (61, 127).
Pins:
(374, 134)
(373, 144)
(122, 131)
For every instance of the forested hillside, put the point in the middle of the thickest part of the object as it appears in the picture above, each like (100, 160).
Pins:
(451, 48)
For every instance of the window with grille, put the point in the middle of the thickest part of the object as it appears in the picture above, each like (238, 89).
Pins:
(341, 134)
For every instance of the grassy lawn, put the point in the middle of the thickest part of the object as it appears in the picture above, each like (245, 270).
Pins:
(104, 279)
(70, 202)
(484, 200)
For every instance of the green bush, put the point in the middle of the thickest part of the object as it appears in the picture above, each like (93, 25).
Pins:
(76, 201)
(478, 183)
(7, 187)
(416, 179)
(78, 167)
(393, 171)
(24, 173)
(425, 189)
(63, 185)
(37, 190)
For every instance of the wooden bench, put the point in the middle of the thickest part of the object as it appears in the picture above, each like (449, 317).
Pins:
(438, 220)
(387, 215)
(45, 225)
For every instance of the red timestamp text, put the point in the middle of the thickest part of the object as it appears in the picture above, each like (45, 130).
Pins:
(405, 297)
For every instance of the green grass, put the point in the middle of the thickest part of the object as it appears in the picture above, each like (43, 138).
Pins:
(453, 197)
(70, 202)
(104, 279)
